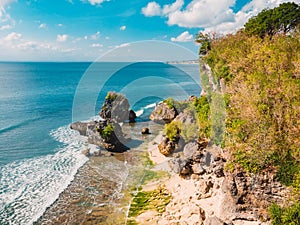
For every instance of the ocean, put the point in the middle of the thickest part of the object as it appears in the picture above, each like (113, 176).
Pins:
(39, 154)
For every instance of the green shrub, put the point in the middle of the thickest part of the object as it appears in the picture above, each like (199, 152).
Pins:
(202, 109)
(180, 106)
(106, 132)
(172, 130)
(111, 96)
(289, 215)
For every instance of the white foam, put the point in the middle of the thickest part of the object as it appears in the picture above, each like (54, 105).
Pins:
(28, 187)
(139, 112)
(152, 105)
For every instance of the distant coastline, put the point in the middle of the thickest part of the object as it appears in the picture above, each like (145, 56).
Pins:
(189, 62)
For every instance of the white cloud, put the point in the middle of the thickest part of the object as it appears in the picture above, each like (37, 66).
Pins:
(201, 14)
(177, 5)
(97, 2)
(13, 37)
(123, 28)
(249, 10)
(60, 25)
(62, 38)
(5, 27)
(5, 2)
(28, 45)
(212, 15)
(152, 9)
(42, 25)
(5, 18)
(95, 36)
(97, 45)
(183, 37)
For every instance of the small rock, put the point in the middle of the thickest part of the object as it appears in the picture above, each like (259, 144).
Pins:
(86, 152)
(145, 130)
(198, 169)
(213, 221)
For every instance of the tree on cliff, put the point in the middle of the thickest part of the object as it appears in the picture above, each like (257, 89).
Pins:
(282, 19)
(205, 41)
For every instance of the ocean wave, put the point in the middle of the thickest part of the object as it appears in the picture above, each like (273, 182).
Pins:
(29, 186)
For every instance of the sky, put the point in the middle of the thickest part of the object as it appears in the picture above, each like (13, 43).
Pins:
(83, 30)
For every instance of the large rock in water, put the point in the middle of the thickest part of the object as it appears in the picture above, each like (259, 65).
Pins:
(102, 133)
(116, 108)
(163, 113)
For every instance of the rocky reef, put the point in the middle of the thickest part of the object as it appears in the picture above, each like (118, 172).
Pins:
(107, 133)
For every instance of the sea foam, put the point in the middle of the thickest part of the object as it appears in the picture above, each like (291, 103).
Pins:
(29, 186)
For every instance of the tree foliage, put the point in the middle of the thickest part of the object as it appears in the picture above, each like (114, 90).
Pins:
(205, 41)
(282, 19)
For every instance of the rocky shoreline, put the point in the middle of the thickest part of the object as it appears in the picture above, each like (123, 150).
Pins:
(200, 187)
(216, 196)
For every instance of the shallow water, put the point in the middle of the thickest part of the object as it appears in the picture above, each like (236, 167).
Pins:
(100, 192)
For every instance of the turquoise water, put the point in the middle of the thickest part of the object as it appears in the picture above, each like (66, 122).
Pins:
(39, 154)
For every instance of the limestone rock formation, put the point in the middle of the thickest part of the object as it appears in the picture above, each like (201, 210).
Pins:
(163, 113)
(116, 108)
(102, 133)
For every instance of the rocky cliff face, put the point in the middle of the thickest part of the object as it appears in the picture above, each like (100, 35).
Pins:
(206, 192)
(213, 195)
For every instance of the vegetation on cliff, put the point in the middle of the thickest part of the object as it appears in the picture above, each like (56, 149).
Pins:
(261, 70)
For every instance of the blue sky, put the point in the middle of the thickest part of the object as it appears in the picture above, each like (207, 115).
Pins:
(82, 30)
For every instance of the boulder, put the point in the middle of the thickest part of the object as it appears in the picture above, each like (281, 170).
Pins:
(186, 117)
(115, 108)
(145, 130)
(102, 133)
(132, 116)
(79, 126)
(191, 149)
(163, 113)
(180, 166)
(198, 169)
(166, 147)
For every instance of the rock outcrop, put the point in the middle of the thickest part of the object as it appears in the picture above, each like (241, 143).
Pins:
(107, 133)
(116, 109)
(224, 197)
(163, 113)
(102, 133)
(80, 127)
